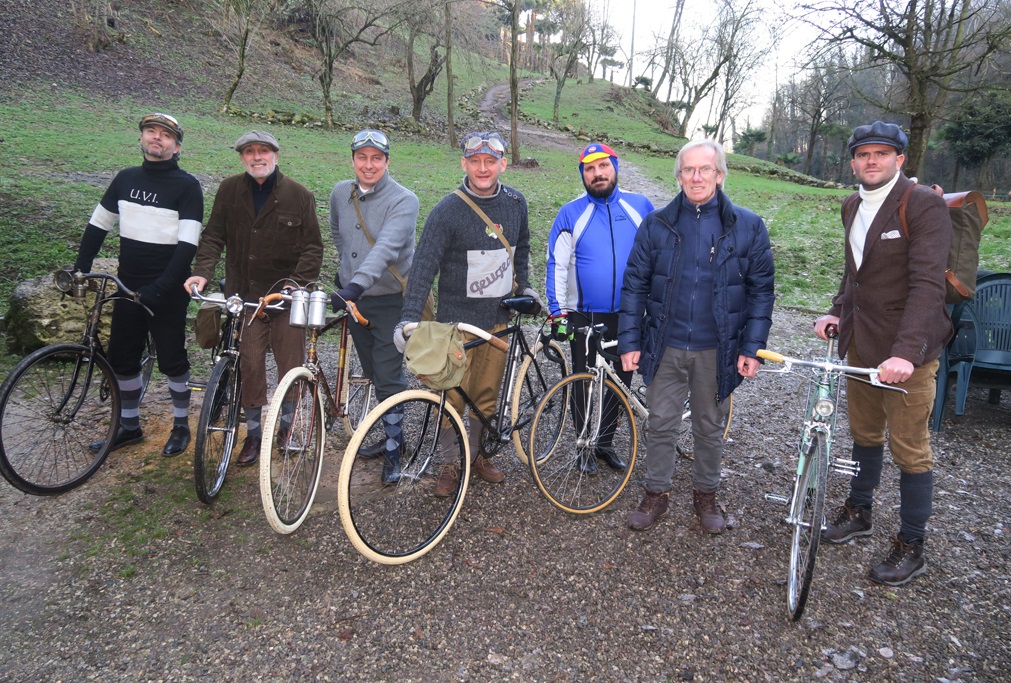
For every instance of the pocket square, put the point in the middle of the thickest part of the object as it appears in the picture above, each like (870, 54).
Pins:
(891, 235)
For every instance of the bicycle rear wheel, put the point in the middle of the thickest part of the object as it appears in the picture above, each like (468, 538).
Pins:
(217, 430)
(806, 516)
(400, 522)
(291, 453)
(538, 374)
(358, 395)
(566, 469)
(55, 404)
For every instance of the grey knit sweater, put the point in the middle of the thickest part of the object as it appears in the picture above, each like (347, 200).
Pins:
(474, 269)
(391, 215)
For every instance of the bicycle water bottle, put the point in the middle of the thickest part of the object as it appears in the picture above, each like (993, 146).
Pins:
(318, 301)
(299, 304)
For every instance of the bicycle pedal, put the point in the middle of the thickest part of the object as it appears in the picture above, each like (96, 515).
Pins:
(842, 466)
(196, 386)
(777, 498)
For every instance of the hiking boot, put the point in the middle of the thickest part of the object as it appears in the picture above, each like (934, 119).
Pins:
(652, 508)
(904, 563)
(487, 470)
(610, 458)
(448, 481)
(849, 522)
(710, 517)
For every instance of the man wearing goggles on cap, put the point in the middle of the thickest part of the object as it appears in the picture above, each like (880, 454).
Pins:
(475, 273)
(588, 247)
(159, 208)
(267, 224)
(373, 220)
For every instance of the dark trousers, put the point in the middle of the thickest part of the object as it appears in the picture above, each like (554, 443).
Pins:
(581, 359)
(381, 361)
(130, 325)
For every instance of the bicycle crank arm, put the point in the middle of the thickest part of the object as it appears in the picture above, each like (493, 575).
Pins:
(850, 467)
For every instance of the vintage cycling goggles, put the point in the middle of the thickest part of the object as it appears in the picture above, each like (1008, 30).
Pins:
(165, 121)
(490, 143)
(371, 138)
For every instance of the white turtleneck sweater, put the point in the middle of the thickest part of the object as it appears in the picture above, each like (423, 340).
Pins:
(871, 201)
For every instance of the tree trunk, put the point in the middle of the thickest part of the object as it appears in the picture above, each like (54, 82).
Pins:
(243, 44)
(449, 78)
(326, 81)
(514, 84)
(559, 84)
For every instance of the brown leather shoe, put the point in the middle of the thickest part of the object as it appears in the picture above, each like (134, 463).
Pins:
(849, 522)
(487, 470)
(653, 507)
(902, 565)
(448, 481)
(710, 517)
(250, 452)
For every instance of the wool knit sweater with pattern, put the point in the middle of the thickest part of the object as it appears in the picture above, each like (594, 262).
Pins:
(475, 272)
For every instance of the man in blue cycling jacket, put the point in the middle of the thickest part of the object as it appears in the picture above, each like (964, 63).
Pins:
(588, 248)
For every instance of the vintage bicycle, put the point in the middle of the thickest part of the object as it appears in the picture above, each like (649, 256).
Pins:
(566, 470)
(400, 522)
(218, 426)
(304, 407)
(63, 399)
(814, 459)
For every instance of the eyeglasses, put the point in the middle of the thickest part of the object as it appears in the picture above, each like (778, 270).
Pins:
(371, 138)
(492, 142)
(690, 171)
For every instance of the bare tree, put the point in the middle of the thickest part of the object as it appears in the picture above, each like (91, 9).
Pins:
(601, 40)
(572, 18)
(935, 47)
(238, 22)
(670, 49)
(450, 104)
(424, 19)
(820, 97)
(336, 25)
(740, 39)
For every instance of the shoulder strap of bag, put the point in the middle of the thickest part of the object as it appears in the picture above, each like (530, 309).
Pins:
(372, 241)
(491, 226)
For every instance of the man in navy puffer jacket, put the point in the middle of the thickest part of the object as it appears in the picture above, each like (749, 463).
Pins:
(696, 306)
(588, 248)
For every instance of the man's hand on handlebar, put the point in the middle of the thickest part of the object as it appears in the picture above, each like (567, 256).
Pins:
(822, 323)
(197, 281)
(747, 367)
(895, 370)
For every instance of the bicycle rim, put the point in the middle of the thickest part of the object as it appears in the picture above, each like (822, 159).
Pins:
(291, 453)
(58, 401)
(217, 430)
(806, 517)
(397, 523)
(538, 374)
(571, 476)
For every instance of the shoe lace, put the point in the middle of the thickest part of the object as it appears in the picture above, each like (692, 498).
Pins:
(843, 514)
(898, 552)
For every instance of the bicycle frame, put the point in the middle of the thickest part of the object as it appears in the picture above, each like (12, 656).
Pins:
(333, 407)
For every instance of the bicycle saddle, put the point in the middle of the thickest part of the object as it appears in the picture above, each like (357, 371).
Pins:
(524, 305)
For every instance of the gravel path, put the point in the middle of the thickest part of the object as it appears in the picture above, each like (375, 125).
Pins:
(518, 590)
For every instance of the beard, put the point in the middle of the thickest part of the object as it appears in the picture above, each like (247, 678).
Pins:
(601, 191)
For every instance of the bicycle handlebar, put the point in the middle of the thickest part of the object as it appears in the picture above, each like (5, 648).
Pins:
(464, 327)
(70, 282)
(826, 366)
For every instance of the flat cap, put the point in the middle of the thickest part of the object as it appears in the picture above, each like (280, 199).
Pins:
(257, 137)
(878, 133)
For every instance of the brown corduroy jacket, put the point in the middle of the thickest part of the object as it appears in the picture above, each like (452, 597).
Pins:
(894, 305)
(282, 241)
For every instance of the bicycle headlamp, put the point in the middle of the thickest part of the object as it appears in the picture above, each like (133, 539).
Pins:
(824, 407)
(234, 304)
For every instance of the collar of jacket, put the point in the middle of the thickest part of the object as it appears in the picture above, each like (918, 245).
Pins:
(374, 190)
(269, 183)
(669, 214)
(612, 198)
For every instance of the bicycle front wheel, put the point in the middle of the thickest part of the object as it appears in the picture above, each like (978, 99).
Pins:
(537, 374)
(570, 474)
(58, 403)
(291, 453)
(806, 516)
(400, 522)
(217, 430)
(358, 395)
